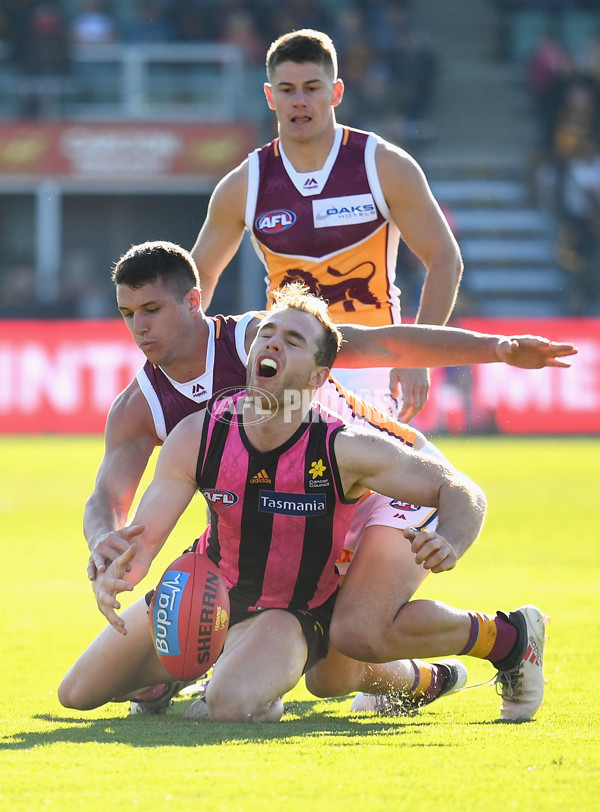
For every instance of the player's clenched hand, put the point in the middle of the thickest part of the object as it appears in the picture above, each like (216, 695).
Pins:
(412, 387)
(533, 352)
(431, 550)
(109, 547)
(108, 584)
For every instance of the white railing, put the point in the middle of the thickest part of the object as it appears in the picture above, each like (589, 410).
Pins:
(195, 82)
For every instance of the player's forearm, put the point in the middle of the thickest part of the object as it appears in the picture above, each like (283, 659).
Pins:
(101, 516)
(416, 346)
(462, 508)
(438, 296)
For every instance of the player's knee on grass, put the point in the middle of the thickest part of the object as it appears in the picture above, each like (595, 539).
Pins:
(71, 694)
(231, 704)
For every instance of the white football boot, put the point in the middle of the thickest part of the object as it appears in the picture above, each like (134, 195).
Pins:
(159, 704)
(197, 711)
(521, 685)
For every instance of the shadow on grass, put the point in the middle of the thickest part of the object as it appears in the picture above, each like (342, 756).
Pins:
(302, 720)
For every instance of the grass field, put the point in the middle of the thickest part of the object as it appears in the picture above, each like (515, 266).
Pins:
(541, 544)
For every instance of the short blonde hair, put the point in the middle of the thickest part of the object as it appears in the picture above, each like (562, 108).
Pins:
(296, 296)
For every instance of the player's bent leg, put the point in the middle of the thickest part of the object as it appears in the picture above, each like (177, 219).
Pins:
(336, 675)
(383, 576)
(389, 627)
(263, 659)
(114, 667)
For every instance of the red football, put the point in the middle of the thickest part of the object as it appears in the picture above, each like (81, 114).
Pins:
(189, 616)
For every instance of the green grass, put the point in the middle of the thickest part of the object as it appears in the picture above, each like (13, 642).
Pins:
(541, 544)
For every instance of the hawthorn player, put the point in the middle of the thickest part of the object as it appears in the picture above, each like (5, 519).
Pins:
(357, 462)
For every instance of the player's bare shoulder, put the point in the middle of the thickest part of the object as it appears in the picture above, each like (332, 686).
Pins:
(232, 189)
(359, 452)
(392, 156)
(357, 447)
(130, 418)
(394, 164)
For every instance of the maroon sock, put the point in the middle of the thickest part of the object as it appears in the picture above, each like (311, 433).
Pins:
(436, 684)
(506, 638)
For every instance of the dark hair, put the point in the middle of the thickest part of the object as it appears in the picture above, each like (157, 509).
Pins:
(301, 46)
(160, 261)
(296, 296)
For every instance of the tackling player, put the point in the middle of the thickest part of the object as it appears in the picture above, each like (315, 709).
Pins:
(281, 609)
(159, 299)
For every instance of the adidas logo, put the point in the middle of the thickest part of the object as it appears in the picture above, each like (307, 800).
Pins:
(198, 390)
(262, 478)
(310, 183)
(532, 655)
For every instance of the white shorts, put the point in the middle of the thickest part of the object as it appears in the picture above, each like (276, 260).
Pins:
(372, 385)
(376, 509)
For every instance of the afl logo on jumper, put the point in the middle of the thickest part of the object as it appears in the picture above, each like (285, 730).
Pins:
(219, 496)
(396, 503)
(277, 220)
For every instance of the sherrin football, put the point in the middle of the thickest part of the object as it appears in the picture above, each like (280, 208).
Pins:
(189, 616)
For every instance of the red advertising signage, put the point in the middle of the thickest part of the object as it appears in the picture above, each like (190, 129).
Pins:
(63, 376)
(122, 151)
(505, 399)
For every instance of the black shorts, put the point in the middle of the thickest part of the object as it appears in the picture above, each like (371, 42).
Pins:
(314, 623)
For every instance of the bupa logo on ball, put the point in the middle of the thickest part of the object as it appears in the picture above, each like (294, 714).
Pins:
(274, 221)
(166, 612)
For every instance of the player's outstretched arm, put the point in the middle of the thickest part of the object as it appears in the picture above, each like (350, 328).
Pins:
(222, 231)
(534, 352)
(420, 345)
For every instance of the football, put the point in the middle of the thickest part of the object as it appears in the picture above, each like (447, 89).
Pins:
(189, 616)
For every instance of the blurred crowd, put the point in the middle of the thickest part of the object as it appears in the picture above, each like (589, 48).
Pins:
(390, 68)
(565, 91)
(387, 61)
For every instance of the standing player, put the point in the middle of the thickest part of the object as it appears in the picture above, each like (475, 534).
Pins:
(327, 205)
(192, 357)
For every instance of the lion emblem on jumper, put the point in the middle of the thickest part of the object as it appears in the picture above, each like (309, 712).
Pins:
(348, 290)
